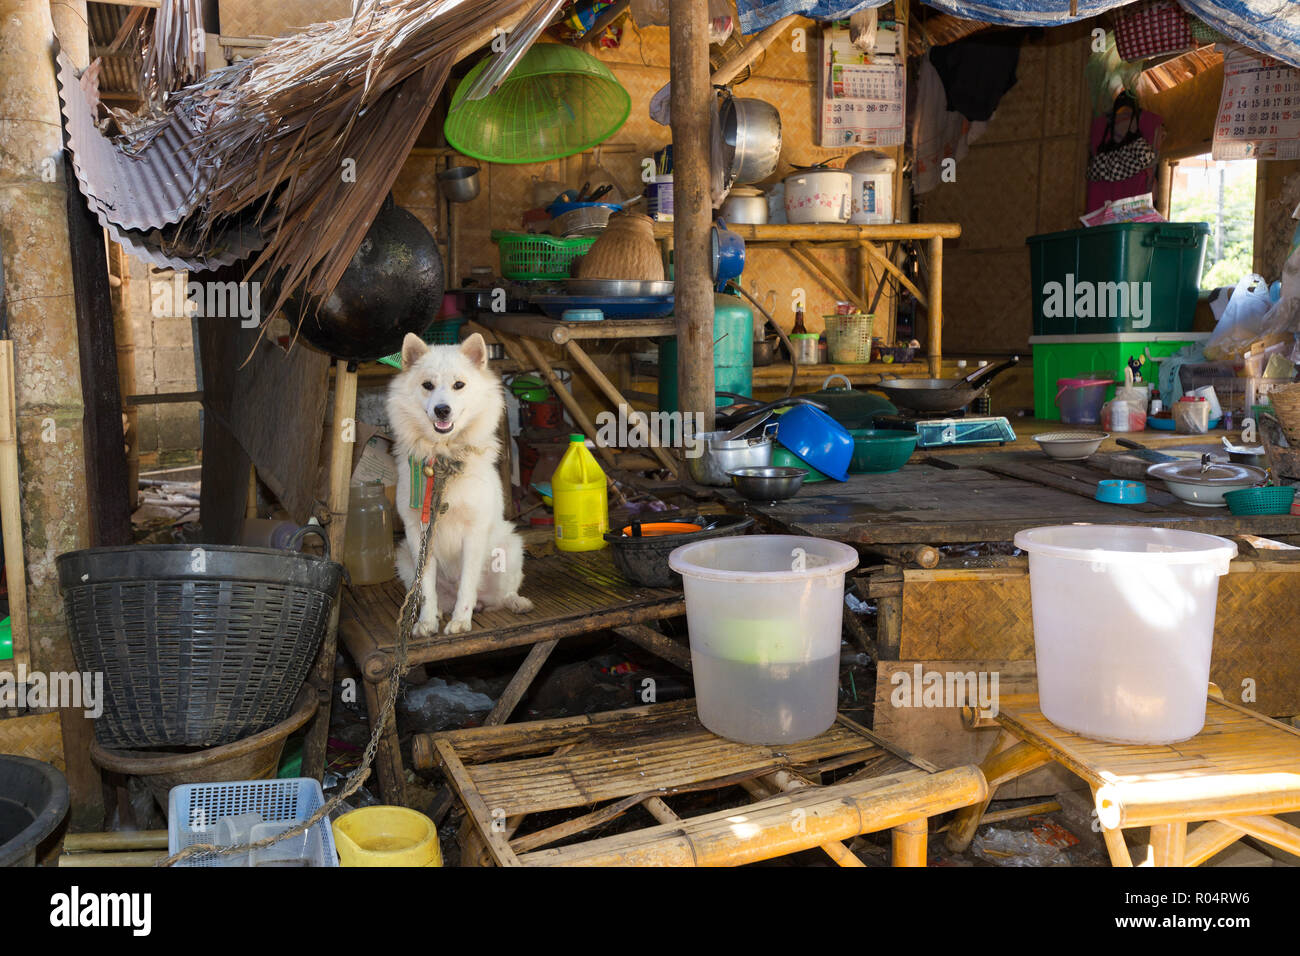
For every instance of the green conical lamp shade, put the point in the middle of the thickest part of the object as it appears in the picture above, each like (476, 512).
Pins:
(556, 102)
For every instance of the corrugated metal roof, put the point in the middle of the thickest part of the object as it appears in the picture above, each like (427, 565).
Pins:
(159, 185)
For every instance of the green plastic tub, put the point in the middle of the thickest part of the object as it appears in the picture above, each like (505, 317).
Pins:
(1164, 256)
(1085, 356)
(877, 450)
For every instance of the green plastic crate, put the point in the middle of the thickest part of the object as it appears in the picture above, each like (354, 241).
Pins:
(1079, 356)
(1168, 255)
(441, 332)
(526, 256)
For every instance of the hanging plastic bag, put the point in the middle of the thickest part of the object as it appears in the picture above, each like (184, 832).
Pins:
(1243, 320)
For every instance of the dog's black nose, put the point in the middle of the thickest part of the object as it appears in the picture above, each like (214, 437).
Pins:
(442, 411)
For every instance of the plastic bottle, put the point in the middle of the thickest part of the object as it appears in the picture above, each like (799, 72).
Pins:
(581, 499)
(368, 544)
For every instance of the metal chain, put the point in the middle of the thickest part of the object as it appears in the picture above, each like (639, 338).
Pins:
(444, 469)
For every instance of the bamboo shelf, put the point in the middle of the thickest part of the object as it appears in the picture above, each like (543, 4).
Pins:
(1236, 774)
(802, 241)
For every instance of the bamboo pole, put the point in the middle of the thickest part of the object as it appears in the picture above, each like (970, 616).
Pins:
(114, 860)
(11, 515)
(584, 362)
(804, 252)
(934, 308)
(115, 840)
(755, 48)
(688, 31)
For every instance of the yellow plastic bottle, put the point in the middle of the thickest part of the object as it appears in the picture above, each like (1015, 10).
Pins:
(581, 500)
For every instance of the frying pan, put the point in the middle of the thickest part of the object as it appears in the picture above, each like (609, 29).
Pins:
(941, 394)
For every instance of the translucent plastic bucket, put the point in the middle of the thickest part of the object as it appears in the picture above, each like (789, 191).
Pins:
(764, 613)
(1080, 399)
(1123, 626)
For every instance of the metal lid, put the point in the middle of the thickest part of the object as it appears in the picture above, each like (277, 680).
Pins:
(1215, 473)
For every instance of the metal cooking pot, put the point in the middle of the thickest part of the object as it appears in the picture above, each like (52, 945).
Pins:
(751, 138)
(718, 457)
(459, 184)
(745, 206)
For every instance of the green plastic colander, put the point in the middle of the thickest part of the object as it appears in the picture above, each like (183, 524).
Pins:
(556, 102)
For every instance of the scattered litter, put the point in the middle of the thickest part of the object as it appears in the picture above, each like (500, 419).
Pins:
(1016, 848)
(440, 705)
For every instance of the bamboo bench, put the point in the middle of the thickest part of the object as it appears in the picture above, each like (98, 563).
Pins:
(608, 764)
(572, 594)
(1236, 774)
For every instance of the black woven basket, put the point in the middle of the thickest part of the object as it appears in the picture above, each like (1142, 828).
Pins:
(199, 646)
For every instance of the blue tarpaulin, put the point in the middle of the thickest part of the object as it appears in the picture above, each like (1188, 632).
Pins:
(1268, 26)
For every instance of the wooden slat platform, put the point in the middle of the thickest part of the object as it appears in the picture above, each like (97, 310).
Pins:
(571, 594)
(927, 504)
(1235, 775)
(1238, 753)
(673, 750)
(646, 754)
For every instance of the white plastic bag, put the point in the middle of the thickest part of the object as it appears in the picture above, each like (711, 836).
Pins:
(1243, 320)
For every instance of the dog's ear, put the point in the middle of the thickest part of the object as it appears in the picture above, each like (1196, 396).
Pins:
(475, 350)
(413, 349)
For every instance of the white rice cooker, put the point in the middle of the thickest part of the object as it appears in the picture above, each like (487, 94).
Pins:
(818, 195)
(873, 187)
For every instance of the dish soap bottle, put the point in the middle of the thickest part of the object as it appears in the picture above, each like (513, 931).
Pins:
(581, 499)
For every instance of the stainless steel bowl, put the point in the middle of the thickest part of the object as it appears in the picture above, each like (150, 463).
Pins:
(616, 288)
(716, 457)
(751, 136)
(459, 184)
(767, 484)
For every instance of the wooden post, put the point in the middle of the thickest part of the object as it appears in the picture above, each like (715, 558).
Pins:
(340, 478)
(934, 308)
(688, 34)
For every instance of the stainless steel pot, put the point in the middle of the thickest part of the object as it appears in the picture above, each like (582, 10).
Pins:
(747, 207)
(459, 184)
(718, 457)
(751, 138)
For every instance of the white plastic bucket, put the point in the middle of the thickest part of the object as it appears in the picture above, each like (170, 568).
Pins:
(764, 613)
(1123, 627)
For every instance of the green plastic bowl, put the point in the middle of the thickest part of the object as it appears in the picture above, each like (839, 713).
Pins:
(878, 450)
(783, 457)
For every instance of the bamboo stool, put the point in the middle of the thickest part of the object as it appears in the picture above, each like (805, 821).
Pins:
(572, 594)
(1239, 771)
(609, 763)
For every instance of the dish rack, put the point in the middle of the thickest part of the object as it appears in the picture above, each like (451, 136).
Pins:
(194, 809)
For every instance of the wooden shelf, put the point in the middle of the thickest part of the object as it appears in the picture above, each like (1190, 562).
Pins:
(777, 375)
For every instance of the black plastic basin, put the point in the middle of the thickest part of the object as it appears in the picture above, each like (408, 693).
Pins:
(33, 801)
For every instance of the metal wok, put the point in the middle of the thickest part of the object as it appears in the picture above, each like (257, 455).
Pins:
(940, 394)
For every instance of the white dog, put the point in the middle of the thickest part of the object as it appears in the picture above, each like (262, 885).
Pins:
(446, 402)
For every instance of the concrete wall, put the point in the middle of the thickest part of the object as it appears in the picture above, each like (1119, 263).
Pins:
(167, 435)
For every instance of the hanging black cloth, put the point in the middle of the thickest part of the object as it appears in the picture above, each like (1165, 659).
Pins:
(977, 71)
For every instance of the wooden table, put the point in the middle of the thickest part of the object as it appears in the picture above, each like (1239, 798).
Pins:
(1237, 774)
(954, 498)
(572, 594)
(610, 763)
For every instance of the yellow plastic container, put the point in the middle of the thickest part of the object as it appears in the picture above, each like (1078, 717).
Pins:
(581, 500)
(386, 836)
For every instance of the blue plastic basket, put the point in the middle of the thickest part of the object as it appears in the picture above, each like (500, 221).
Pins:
(193, 810)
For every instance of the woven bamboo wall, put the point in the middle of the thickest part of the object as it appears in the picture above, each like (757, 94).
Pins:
(248, 18)
(987, 615)
(783, 77)
(1023, 177)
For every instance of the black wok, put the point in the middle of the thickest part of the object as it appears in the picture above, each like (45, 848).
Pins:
(941, 394)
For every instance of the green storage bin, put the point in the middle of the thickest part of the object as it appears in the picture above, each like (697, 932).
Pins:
(1167, 255)
(1080, 356)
